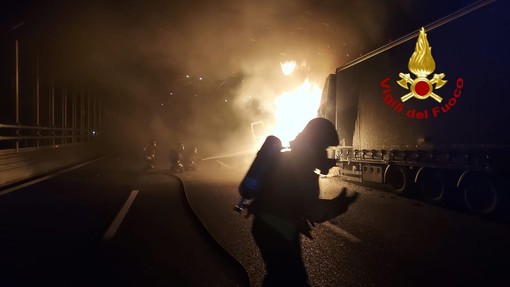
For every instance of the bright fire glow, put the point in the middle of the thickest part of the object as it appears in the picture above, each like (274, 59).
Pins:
(288, 67)
(294, 109)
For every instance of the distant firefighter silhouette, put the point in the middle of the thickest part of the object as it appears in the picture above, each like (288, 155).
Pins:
(287, 203)
(177, 159)
(149, 155)
(191, 159)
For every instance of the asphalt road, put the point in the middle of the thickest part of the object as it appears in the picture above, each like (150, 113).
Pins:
(383, 240)
(181, 230)
(78, 229)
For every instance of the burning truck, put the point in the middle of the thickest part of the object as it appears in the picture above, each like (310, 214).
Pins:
(432, 124)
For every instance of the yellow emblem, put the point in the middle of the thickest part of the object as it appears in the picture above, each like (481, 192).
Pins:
(421, 64)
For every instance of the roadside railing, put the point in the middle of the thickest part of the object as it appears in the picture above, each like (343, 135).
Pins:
(16, 137)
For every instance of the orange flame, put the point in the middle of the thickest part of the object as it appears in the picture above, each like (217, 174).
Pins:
(288, 67)
(294, 109)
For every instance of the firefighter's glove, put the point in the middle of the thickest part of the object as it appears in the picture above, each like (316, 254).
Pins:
(342, 201)
(329, 209)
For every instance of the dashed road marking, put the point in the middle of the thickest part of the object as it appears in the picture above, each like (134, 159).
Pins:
(120, 216)
(339, 231)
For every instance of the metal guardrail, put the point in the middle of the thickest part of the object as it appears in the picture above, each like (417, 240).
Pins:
(15, 137)
(42, 106)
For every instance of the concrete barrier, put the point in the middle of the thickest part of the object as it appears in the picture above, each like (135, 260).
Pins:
(17, 166)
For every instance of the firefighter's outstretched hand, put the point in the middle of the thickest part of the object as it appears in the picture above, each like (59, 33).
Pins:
(342, 201)
(327, 209)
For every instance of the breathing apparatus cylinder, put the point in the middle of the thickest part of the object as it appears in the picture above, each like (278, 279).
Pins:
(258, 171)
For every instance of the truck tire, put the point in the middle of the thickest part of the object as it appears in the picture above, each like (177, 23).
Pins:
(431, 185)
(396, 178)
(480, 193)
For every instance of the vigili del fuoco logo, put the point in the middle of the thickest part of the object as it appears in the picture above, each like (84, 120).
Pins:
(421, 87)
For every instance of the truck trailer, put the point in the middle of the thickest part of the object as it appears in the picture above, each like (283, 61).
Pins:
(430, 122)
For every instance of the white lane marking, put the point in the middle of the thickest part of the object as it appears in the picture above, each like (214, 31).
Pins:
(341, 232)
(120, 216)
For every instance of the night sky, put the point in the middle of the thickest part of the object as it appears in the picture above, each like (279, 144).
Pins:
(175, 70)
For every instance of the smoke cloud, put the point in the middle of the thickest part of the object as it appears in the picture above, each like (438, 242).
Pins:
(200, 72)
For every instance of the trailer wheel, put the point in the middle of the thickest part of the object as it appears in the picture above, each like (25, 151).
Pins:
(480, 193)
(431, 185)
(396, 178)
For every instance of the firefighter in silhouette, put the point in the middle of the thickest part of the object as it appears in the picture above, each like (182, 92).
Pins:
(191, 159)
(177, 159)
(288, 203)
(149, 155)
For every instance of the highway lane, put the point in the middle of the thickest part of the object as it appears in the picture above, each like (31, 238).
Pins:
(383, 240)
(59, 233)
(63, 232)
